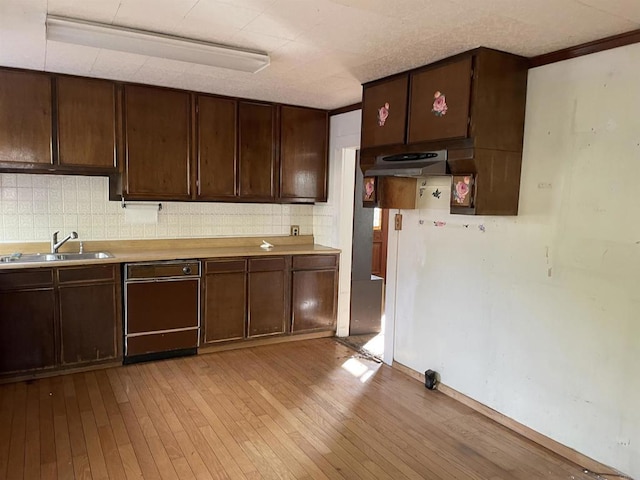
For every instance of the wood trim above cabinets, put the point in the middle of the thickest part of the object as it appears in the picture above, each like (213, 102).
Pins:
(607, 43)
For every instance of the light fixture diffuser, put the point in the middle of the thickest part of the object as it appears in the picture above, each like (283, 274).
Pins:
(99, 35)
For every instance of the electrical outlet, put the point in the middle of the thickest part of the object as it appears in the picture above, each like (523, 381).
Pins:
(295, 230)
(398, 221)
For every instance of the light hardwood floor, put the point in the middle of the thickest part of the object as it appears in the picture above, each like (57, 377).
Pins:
(306, 410)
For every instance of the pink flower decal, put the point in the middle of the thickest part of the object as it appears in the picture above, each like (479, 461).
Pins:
(439, 104)
(383, 113)
(461, 191)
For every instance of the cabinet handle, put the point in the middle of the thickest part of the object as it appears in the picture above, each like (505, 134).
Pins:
(186, 270)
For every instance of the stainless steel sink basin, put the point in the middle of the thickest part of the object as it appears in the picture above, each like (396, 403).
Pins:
(53, 257)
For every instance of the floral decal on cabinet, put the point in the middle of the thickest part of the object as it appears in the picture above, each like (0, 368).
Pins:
(383, 113)
(461, 191)
(439, 104)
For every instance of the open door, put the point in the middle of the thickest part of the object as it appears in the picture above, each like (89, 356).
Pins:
(366, 287)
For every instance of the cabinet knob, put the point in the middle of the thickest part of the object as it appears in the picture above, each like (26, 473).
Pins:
(186, 270)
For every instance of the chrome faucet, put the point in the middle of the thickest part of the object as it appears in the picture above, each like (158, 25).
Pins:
(55, 244)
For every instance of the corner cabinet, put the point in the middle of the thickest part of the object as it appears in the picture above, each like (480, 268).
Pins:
(471, 105)
(303, 154)
(157, 142)
(55, 318)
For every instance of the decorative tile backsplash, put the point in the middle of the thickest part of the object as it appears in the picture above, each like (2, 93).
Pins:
(32, 207)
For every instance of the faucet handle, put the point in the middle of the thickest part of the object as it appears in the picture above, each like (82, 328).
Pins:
(55, 236)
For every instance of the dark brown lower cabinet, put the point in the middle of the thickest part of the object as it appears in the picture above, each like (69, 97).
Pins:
(268, 295)
(314, 295)
(89, 305)
(27, 330)
(54, 318)
(225, 300)
(253, 297)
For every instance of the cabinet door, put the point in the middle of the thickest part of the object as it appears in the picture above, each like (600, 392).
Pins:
(86, 122)
(25, 117)
(89, 306)
(225, 300)
(439, 106)
(88, 323)
(384, 112)
(267, 296)
(256, 129)
(27, 329)
(157, 129)
(217, 160)
(314, 300)
(303, 154)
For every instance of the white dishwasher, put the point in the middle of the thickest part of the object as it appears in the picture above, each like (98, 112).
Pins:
(162, 310)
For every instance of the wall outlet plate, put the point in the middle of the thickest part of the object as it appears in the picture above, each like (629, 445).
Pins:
(295, 230)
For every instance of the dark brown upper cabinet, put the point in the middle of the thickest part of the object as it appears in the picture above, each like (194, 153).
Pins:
(157, 126)
(471, 105)
(217, 159)
(303, 154)
(257, 151)
(25, 118)
(439, 102)
(384, 112)
(87, 122)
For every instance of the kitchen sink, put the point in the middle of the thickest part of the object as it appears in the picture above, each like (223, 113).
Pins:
(53, 257)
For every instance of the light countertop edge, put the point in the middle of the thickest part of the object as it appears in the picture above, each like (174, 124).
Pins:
(180, 254)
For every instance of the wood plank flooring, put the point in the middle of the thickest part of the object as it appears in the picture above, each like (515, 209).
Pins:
(305, 410)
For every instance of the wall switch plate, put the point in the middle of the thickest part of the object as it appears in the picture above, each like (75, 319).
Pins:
(398, 221)
(295, 230)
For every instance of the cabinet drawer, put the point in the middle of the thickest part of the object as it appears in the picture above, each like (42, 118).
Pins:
(87, 274)
(270, 264)
(162, 342)
(163, 270)
(308, 262)
(17, 279)
(220, 266)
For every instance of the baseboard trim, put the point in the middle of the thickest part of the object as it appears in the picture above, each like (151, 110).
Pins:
(565, 452)
(235, 345)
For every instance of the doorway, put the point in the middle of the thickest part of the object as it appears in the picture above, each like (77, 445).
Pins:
(367, 273)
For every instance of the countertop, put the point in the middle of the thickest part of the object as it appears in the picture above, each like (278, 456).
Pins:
(172, 249)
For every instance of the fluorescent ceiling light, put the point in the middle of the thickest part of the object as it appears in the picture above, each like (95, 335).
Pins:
(99, 35)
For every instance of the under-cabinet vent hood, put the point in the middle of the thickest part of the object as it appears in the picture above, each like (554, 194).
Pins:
(417, 164)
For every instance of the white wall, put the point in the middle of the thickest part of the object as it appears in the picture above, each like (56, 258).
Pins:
(335, 218)
(539, 317)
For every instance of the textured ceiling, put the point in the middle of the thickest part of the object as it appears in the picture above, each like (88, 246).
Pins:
(321, 50)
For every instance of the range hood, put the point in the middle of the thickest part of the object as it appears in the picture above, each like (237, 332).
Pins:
(416, 164)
